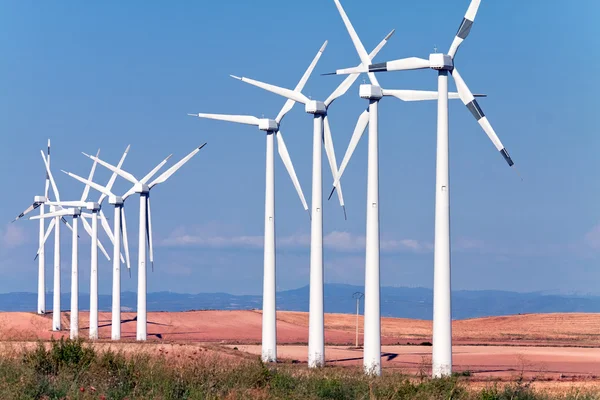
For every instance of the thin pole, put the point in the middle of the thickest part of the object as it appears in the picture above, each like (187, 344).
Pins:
(316, 336)
(442, 310)
(269, 322)
(42, 265)
(357, 311)
(372, 320)
(56, 303)
(94, 280)
(75, 280)
(141, 295)
(116, 289)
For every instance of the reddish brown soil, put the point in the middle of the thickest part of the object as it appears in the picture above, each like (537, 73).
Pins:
(562, 347)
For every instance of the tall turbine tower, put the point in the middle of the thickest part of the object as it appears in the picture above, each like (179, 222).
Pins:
(321, 134)
(38, 202)
(120, 230)
(60, 211)
(444, 64)
(374, 93)
(271, 127)
(143, 188)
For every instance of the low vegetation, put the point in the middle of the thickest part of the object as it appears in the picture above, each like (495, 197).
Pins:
(68, 369)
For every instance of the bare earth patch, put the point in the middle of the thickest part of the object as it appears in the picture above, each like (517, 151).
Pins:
(559, 351)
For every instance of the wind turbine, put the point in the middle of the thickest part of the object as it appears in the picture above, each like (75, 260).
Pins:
(321, 134)
(38, 202)
(145, 232)
(444, 64)
(271, 127)
(120, 229)
(74, 210)
(374, 93)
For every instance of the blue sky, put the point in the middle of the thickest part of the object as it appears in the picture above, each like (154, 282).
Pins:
(94, 75)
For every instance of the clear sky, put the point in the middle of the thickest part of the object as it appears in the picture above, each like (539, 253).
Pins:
(107, 74)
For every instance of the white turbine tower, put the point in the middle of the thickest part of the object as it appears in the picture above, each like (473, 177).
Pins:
(60, 211)
(145, 232)
(271, 127)
(321, 134)
(444, 64)
(119, 230)
(38, 202)
(374, 93)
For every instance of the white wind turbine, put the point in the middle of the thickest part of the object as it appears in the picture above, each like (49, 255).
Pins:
(145, 231)
(38, 202)
(74, 210)
(119, 230)
(271, 127)
(374, 93)
(444, 64)
(321, 134)
(75, 214)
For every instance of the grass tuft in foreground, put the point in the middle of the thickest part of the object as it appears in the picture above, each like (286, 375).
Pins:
(69, 369)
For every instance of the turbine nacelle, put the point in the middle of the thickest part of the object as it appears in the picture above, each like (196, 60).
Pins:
(40, 199)
(115, 200)
(141, 188)
(92, 206)
(370, 92)
(439, 61)
(316, 107)
(268, 125)
(73, 212)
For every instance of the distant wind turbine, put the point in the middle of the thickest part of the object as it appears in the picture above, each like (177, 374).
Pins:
(272, 128)
(143, 188)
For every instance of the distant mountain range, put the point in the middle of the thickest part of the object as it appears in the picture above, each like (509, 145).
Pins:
(395, 302)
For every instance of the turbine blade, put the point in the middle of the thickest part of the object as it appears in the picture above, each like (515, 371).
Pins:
(47, 185)
(124, 174)
(347, 83)
(94, 185)
(240, 119)
(469, 100)
(167, 174)
(88, 229)
(290, 94)
(150, 174)
(54, 188)
(46, 236)
(360, 49)
(86, 189)
(113, 177)
(128, 193)
(417, 95)
(53, 214)
(124, 235)
(403, 64)
(361, 125)
(287, 161)
(27, 211)
(289, 104)
(465, 27)
(149, 232)
(330, 151)
(108, 230)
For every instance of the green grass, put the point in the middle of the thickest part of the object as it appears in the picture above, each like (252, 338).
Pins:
(74, 370)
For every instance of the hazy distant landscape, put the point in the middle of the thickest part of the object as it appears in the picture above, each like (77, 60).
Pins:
(395, 302)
